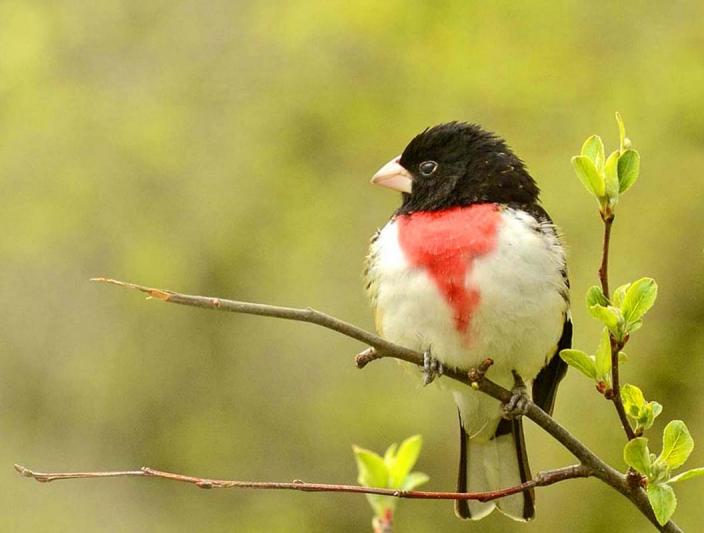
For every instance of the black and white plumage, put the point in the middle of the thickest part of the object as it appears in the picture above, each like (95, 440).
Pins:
(469, 267)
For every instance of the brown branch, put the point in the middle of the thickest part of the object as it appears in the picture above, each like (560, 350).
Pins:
(384, 348)
(608, 219)
(616, 346)
(287, 313)
(544, 479)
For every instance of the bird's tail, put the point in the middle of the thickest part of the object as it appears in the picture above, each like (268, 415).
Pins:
(497, 463)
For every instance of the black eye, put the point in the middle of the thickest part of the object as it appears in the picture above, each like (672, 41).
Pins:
(427, 167)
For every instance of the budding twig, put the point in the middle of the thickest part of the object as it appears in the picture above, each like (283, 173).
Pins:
(616, 345)
(608, 219)
(544, 479)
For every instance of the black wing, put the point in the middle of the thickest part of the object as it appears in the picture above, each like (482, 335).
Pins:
(545, 385)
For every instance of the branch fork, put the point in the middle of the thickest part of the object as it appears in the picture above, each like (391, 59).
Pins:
(477, 375)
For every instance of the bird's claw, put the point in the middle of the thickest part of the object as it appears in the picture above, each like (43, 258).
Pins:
(517, 406)
(431, 368)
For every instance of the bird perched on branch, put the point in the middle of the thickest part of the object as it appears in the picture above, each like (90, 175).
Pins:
(470, 267)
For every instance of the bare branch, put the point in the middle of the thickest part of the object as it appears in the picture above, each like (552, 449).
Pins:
(382, 348)
(288, 313)
(544, 479)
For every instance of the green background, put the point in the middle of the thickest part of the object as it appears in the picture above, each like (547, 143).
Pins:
(224, 148)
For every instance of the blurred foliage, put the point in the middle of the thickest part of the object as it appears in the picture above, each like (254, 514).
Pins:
(392, 471)
(224, 148)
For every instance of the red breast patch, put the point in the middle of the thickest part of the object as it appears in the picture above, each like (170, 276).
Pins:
(445, 244)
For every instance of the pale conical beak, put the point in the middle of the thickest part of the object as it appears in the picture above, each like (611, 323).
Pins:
(393, 176)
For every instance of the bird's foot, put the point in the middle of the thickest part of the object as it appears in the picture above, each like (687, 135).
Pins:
(518, 404)
(432, 368)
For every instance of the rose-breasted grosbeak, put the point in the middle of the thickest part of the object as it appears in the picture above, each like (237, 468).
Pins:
(470, 267)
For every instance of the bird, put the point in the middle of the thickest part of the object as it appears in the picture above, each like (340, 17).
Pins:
(470, 267)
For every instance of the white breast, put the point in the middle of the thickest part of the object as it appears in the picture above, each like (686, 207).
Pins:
(521, 310)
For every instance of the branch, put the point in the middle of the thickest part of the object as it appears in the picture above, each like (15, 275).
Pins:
(288, 313)
(608, 219)
(382, 348)
(544, 479)
(616, 346)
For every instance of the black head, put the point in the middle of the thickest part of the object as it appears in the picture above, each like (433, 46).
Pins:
(457, 164)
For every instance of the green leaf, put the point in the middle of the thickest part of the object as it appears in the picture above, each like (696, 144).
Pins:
(414, 480)
(632, 397)
(595, 296)
(637, 456)
(588, 175)
(603, 358)
(634, 326)
(621, 131)
(628, 169)
(390, 455)
(610, 316)
(639, 298)
(644, 413)
(372, 471)
(619, 294)
(694, 472)
(579, 360)
(651, 411)
(611, 185)
(406, 459)
(657, 409)
(593, 148)
(677, 444)
(663, 500)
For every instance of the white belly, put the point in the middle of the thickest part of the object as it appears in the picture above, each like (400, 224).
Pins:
(518, 319)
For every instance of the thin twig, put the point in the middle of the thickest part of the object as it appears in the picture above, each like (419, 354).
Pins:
(616, 346)
(288, 313)
(604, 268)
(544, 479)
(384, 348)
